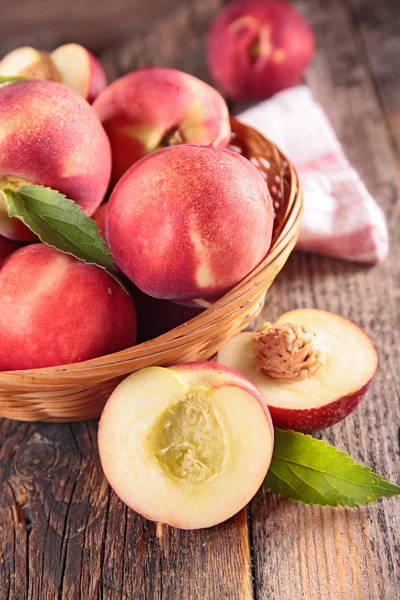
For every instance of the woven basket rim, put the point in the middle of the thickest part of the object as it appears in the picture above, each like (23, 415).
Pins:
(62, 376)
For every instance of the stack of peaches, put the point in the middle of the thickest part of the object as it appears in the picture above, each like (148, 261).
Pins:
(184, 219)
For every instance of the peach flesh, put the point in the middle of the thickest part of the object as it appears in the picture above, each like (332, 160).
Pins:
(156, 107)
(178, 222)
(30, 63)
(171, 472)
(71, 64)
(50, 136)
(57, 310)
(80, 70)
(348, 367)
(256, 48)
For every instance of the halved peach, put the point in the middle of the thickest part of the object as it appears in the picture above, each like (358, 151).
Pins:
(188, 445)
(80, 70)
(30, 63)
(71, 64)
(312, 368)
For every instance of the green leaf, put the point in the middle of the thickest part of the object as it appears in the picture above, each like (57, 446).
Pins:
(9, 79)
(59, 222)
(313, 472)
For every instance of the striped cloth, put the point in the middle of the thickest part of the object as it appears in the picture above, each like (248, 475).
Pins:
(340, 216)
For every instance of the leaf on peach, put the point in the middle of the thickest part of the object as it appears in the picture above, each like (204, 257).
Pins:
(60, 223)
(311, 471)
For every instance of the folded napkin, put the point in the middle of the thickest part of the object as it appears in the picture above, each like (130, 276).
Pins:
(340, 216)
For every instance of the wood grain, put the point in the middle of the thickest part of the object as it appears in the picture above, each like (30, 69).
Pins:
(326, 554)
(65, 535)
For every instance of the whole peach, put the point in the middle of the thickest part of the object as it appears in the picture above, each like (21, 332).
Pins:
(256, 48)
(189, 222)
(57, 310)
(50, 136)
(156, 107)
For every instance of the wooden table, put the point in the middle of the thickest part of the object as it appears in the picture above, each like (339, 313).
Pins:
(65, 535)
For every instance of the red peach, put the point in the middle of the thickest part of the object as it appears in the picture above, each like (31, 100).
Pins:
(50, 136)
(56, 310)
(256, 48)
(156, 107)
(189, 222)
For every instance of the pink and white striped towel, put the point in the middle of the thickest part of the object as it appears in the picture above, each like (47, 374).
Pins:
(340, 216)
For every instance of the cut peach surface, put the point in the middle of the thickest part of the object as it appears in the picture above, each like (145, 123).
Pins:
(71, 64)
(30, 63)
(80, 70)
(188, 445)
(306, 387)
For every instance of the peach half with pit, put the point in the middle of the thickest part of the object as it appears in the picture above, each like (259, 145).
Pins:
(189, 222)
(50, 136)
(312, 367)
(70, 64)
(187, 445)
(256, 48)
(57, 310)
(158, 107)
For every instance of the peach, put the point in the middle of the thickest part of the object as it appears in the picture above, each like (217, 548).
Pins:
(50, 136)
(189, 222)
(187, 445)
(312, 368)
(7, 247)
(70, 64)
(80, 70)
(156, 107)
(256, 48)
(57, 310)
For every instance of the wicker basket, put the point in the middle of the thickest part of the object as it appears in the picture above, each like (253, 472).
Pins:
(79, 391)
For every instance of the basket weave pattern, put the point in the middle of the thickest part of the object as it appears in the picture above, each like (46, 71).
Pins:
(79, 391)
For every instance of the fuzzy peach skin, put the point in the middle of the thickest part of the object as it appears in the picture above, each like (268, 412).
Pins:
(7, 247)
(334, 391)
(222, 442)
(56, 310)
(256, 48)
(80, 70)
(50, 136)
(189, 222)
(141, 110)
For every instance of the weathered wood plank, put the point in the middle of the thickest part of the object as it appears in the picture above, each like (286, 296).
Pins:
(317, 553)
(46, 24)
(379, 25)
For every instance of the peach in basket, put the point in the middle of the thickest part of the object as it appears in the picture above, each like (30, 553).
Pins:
(78, 391)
